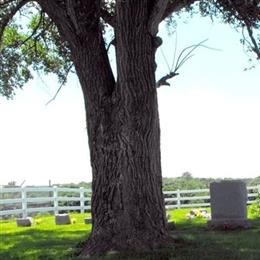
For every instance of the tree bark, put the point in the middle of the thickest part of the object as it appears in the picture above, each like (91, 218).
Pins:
(123, 128)
(127, 202)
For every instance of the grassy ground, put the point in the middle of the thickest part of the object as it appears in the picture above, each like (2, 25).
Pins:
(42, 241)
(48, 241)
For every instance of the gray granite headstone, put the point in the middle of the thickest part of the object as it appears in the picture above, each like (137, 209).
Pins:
(62, 219)
(228, 201)
(24, 222)
(88, 220)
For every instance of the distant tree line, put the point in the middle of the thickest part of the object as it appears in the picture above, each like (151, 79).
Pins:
(188, 182)
(185, 182)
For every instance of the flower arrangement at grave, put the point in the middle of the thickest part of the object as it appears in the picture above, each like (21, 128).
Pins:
(198, 213)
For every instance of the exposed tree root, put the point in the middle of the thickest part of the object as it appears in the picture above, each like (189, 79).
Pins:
(96, 246)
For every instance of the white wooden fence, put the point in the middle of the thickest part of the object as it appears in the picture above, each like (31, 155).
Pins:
(199, 198)
(52, 198)
(19, 201)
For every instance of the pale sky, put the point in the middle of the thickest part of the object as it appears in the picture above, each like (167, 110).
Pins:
(209, 117)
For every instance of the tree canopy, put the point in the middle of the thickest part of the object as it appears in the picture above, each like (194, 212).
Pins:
(30, 40)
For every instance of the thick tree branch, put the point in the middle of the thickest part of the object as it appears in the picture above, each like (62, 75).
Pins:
(56, 10)
(156, 15)
(74, 19)
(176, 6)
(9, 16)
(72, 14)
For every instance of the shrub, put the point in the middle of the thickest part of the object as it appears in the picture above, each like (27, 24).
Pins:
(254, 209)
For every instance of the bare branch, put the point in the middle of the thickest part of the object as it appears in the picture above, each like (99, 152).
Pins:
(255, 46)
(184, 56)
(156, 15)
(176, 6)
(112, 42)
(181, 60)
(35, 29)
(61, 85)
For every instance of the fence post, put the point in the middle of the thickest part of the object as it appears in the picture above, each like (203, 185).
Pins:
(258, 189)
(178, 199)
(55, 200)
(1, 192)
(81, 200)
(24, 202)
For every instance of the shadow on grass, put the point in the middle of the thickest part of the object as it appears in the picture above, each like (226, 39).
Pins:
(41, 244)
(195, 242)
(206, 244)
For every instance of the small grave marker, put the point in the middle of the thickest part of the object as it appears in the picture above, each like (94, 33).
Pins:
(24, 222)
(62, 219)
(88, 220)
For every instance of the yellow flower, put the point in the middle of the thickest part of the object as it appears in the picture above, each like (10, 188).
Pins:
(38, 221)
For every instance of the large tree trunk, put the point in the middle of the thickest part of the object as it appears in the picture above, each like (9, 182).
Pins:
(124, 136)
(127, 203)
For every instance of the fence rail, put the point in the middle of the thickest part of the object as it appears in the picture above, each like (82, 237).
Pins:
(191, 199)
(24, 202)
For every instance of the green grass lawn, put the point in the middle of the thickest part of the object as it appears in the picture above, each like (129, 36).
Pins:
(193, 241)
(45, 240)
